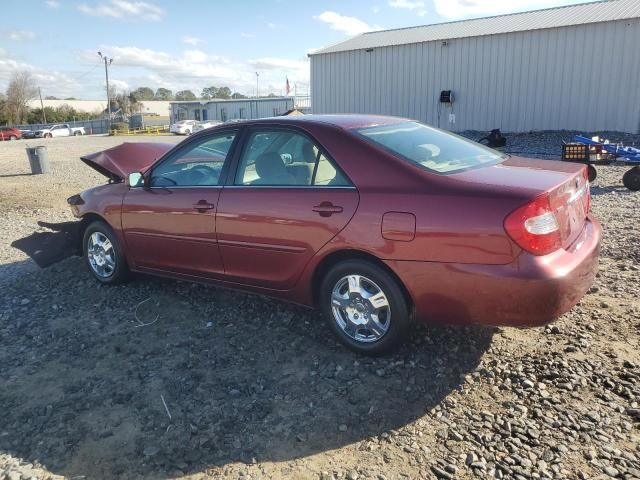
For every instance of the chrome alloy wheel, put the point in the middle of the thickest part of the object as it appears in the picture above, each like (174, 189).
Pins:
(360, 308)
(101, 255)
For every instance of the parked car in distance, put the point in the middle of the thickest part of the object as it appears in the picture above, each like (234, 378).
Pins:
(183, 127)
(377, 221)
(62, 130)
(10, 133)
(28, 134)
(199, 126)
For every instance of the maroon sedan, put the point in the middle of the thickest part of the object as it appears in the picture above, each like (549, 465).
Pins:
(378, 221)
(10, 133)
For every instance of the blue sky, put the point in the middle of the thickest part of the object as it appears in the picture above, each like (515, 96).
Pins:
(190, 44)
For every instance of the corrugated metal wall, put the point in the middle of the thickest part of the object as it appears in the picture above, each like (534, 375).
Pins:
(584, 77)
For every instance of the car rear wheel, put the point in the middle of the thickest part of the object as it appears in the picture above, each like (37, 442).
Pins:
(631, 179)
(592, 173)
(103, 255)
(48, 135)
(13, 137)
(76, 134)
(365, 307)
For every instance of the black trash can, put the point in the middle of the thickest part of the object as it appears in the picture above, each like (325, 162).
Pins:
(38, 160)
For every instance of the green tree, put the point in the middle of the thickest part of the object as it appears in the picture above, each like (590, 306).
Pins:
(143, 93)
(237, 95)
(224, 92)
(4, 110)
(163, 94)
(51, 97)
(209, 92)
(183, 95)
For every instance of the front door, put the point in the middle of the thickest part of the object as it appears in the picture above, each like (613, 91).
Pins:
(286, 201)
(169, 224)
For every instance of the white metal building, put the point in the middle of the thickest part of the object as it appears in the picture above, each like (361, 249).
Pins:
(573, 68)
(219, 109)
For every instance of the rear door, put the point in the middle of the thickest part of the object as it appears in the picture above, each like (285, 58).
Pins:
(283, 204)
(169, 224)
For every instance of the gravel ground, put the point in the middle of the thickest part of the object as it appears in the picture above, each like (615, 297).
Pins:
(255, 388)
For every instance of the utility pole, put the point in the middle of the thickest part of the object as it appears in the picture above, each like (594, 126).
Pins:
(257, 89)
(107, 62)
(44, 115)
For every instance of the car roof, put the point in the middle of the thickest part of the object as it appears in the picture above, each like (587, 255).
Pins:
(343, 121)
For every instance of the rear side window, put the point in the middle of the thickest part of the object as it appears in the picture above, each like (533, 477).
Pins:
(286, 158)
(430, 148)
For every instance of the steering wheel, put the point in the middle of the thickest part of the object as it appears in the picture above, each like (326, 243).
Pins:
(201, 174)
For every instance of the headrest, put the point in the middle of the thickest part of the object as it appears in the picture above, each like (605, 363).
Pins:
(269, 165)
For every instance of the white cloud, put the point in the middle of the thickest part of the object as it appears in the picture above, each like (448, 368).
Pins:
(287, 66)
(345, 24)
(416, 6)
(52, 82)
(123, 9)
(196, 69)
(375, 9)
(195, 41)
(52, 3)
(272, 26)
(119, 85)
(247, 35)
(18, 35)
(455, 9)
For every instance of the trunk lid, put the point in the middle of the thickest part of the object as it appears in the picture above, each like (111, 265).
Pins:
(526, 179)
(118, 162)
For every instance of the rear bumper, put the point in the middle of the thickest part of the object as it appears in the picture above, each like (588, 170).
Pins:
(531, 291)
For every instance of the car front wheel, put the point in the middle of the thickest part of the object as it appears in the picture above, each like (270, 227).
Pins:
(103, 255)
(365, 307)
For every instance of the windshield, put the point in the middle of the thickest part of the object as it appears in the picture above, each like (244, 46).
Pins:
(430, 148)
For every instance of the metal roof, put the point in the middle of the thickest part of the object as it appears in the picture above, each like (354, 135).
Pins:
(581, 14)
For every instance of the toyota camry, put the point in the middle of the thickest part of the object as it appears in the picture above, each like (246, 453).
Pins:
(379, 222)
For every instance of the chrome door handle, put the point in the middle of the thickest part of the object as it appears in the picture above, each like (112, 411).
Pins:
(202, 206)
(326, 209)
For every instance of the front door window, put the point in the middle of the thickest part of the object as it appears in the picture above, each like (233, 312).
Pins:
(198, 165)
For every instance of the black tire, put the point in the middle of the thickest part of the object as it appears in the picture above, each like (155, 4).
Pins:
(121, 271)
(76, 134)
(13, 137)
(399, 323)
(592, 173)
(48, 135)
(631, 179)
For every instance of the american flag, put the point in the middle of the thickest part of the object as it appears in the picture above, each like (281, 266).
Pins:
(288, 86)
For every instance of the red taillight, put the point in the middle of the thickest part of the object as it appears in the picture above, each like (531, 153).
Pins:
(534, 227)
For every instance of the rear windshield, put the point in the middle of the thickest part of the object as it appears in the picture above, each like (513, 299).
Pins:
(430, 148)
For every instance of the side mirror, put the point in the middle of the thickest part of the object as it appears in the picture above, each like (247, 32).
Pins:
(135, 179)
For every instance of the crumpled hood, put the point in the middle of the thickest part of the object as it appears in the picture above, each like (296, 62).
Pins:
(118, 162)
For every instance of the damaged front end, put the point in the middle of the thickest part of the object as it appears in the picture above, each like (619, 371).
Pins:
(64, 239)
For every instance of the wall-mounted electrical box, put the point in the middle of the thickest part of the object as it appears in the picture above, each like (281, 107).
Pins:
(446, 96)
